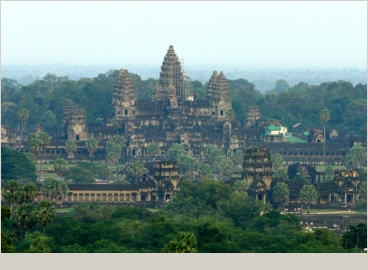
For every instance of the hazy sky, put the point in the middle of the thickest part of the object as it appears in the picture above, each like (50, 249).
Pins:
(249, 33)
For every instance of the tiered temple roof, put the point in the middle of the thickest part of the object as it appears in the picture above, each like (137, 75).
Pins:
(171, 82)
(124, 95)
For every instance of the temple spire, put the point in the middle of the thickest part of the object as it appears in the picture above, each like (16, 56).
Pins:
(171, 82)
(124, 96)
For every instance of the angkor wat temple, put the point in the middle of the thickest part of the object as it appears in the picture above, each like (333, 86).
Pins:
(174, 116)
(171, 116)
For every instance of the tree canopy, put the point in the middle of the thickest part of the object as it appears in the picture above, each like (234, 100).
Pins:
(16, 166)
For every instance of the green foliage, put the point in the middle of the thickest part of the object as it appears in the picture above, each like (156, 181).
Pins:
(198, 199)
(79, 175)
(241, 187)
(37, 142)
(363, 174)
(238, 158)
(185, 162)
(184, 242)
(280, 194)
(277, 162)
(281, 86)
(355, 236)
(35, 242)
(360, 205)
(136, 170)
(356, 157)
(29, 193)
(46, 213)
(15, 194)
(98, 170)
(362, 189)
(31, 157)
(16, 166)
(12, 192)
(6, 243)
(5, 212)
(153, 149)
(60, 166)
(325, 116)
(53, 190)
(92, 146)
(92, 212)
(113, 149)
(25, 217)
(308, 194)
(282, 174)
(302, 103)
(70, 147)
(220, 164)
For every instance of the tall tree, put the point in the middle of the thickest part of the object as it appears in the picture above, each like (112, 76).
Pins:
(92, 146)
(16, 166)
(153, 149)
(23, 115)
(54, 190)
(25, 217)
(184, 242)
(308, 195)
(136, 170)
(356, 157)
(325, 117)
(113, 149)
(70, 148)
(46, 214)
(241, 187)
(11, 192)
(29, 193)
(277, 161)
(281, 85)
(60, 166)
(280, 194)
(37, 142)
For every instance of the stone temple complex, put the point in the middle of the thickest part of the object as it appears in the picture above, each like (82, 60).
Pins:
(173, 117)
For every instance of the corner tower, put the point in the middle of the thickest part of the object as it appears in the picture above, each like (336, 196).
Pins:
(123, 101)
(218, 94)
(171, 83)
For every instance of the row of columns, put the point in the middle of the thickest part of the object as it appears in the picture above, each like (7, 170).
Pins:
(82, 196)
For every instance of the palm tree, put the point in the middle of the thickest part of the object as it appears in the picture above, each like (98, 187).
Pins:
(23, 115)
(325, 116)
(12, 194)
(70, 147)
(280, 194)
(46, 214)
(37, 142)
(91, 145)
(308, 195)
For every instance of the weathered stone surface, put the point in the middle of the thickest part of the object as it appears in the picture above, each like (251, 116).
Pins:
(123, 97)
(75, 123)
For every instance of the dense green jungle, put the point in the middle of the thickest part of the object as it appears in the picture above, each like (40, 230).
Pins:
(301, 103)
(204, 216)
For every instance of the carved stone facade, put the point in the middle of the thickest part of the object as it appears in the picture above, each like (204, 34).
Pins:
(173, 117)
(123, 97)
(342, 191)
(156, 188)
(257, 172)
(75, 123)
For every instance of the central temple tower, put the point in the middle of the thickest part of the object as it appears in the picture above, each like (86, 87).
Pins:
(171, 83)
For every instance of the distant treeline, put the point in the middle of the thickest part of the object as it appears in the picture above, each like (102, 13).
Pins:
(301, 103)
